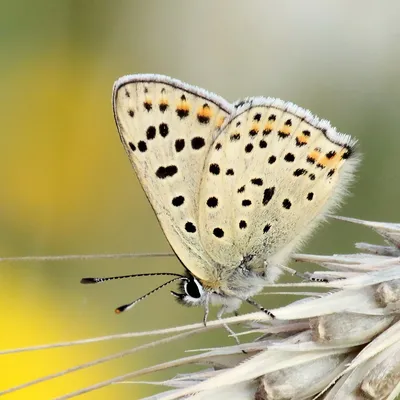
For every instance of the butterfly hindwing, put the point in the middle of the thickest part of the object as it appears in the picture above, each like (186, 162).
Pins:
(167, 128)
(271, 174)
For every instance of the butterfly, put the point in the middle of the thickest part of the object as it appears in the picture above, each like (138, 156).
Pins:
(236, 187)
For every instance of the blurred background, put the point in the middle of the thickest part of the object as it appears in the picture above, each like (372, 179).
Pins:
(68, 188)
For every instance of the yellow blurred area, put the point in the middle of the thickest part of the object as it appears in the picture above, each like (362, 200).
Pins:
(54, 155)
(41, 328)
(60, 158)
(67, 186)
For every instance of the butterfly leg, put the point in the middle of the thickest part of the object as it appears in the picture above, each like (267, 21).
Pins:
(206, 308)
(230, 331)
(260, 307)
(307, 276)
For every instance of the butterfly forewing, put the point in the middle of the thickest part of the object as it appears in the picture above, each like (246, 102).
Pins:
(279, 168)
(167, 128)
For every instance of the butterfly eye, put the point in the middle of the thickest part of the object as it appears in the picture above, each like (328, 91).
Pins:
(193, 288)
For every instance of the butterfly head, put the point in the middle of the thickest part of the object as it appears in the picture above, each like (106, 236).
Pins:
(191, 291)
(197, 292)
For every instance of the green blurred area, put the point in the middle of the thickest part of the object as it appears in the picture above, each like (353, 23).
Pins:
(67, 186)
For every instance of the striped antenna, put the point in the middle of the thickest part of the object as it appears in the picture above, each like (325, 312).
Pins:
(125, 307)
(86, 281)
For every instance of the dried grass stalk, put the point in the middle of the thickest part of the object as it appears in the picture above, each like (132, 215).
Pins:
(340, 344)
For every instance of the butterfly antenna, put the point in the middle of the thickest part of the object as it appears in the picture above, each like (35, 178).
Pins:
(86, 281)
(125, 307)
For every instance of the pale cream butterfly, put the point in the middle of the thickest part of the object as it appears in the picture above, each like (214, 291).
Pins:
(236, 187)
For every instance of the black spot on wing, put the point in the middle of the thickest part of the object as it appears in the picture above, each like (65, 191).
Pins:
(283, 135)
(212, 202)
(182, 110)
(214, 169)
(142, 146)
(182, 113)
(179, 145)
(242, 224)
(198, 142)
(203, 119)
(310, 160)
(286, 204)
(218, 232)
(248, 148)
(163, 129)
(151, 132)
(132, 146)
(203, 116)
(253, 132)
(299, 172)
(178, 201)
(289, 157)
(165, 172)
(330, 154)
(347, 154)
(189, 227)
(266, 228)
(257, 181)
(268, 194)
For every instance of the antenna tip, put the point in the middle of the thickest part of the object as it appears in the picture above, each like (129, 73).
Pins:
(89, 280)
(121, 309)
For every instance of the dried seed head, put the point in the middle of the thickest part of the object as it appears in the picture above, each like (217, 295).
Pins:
(388, 293)
(383, 378)
(304, 380)
(347, 328)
